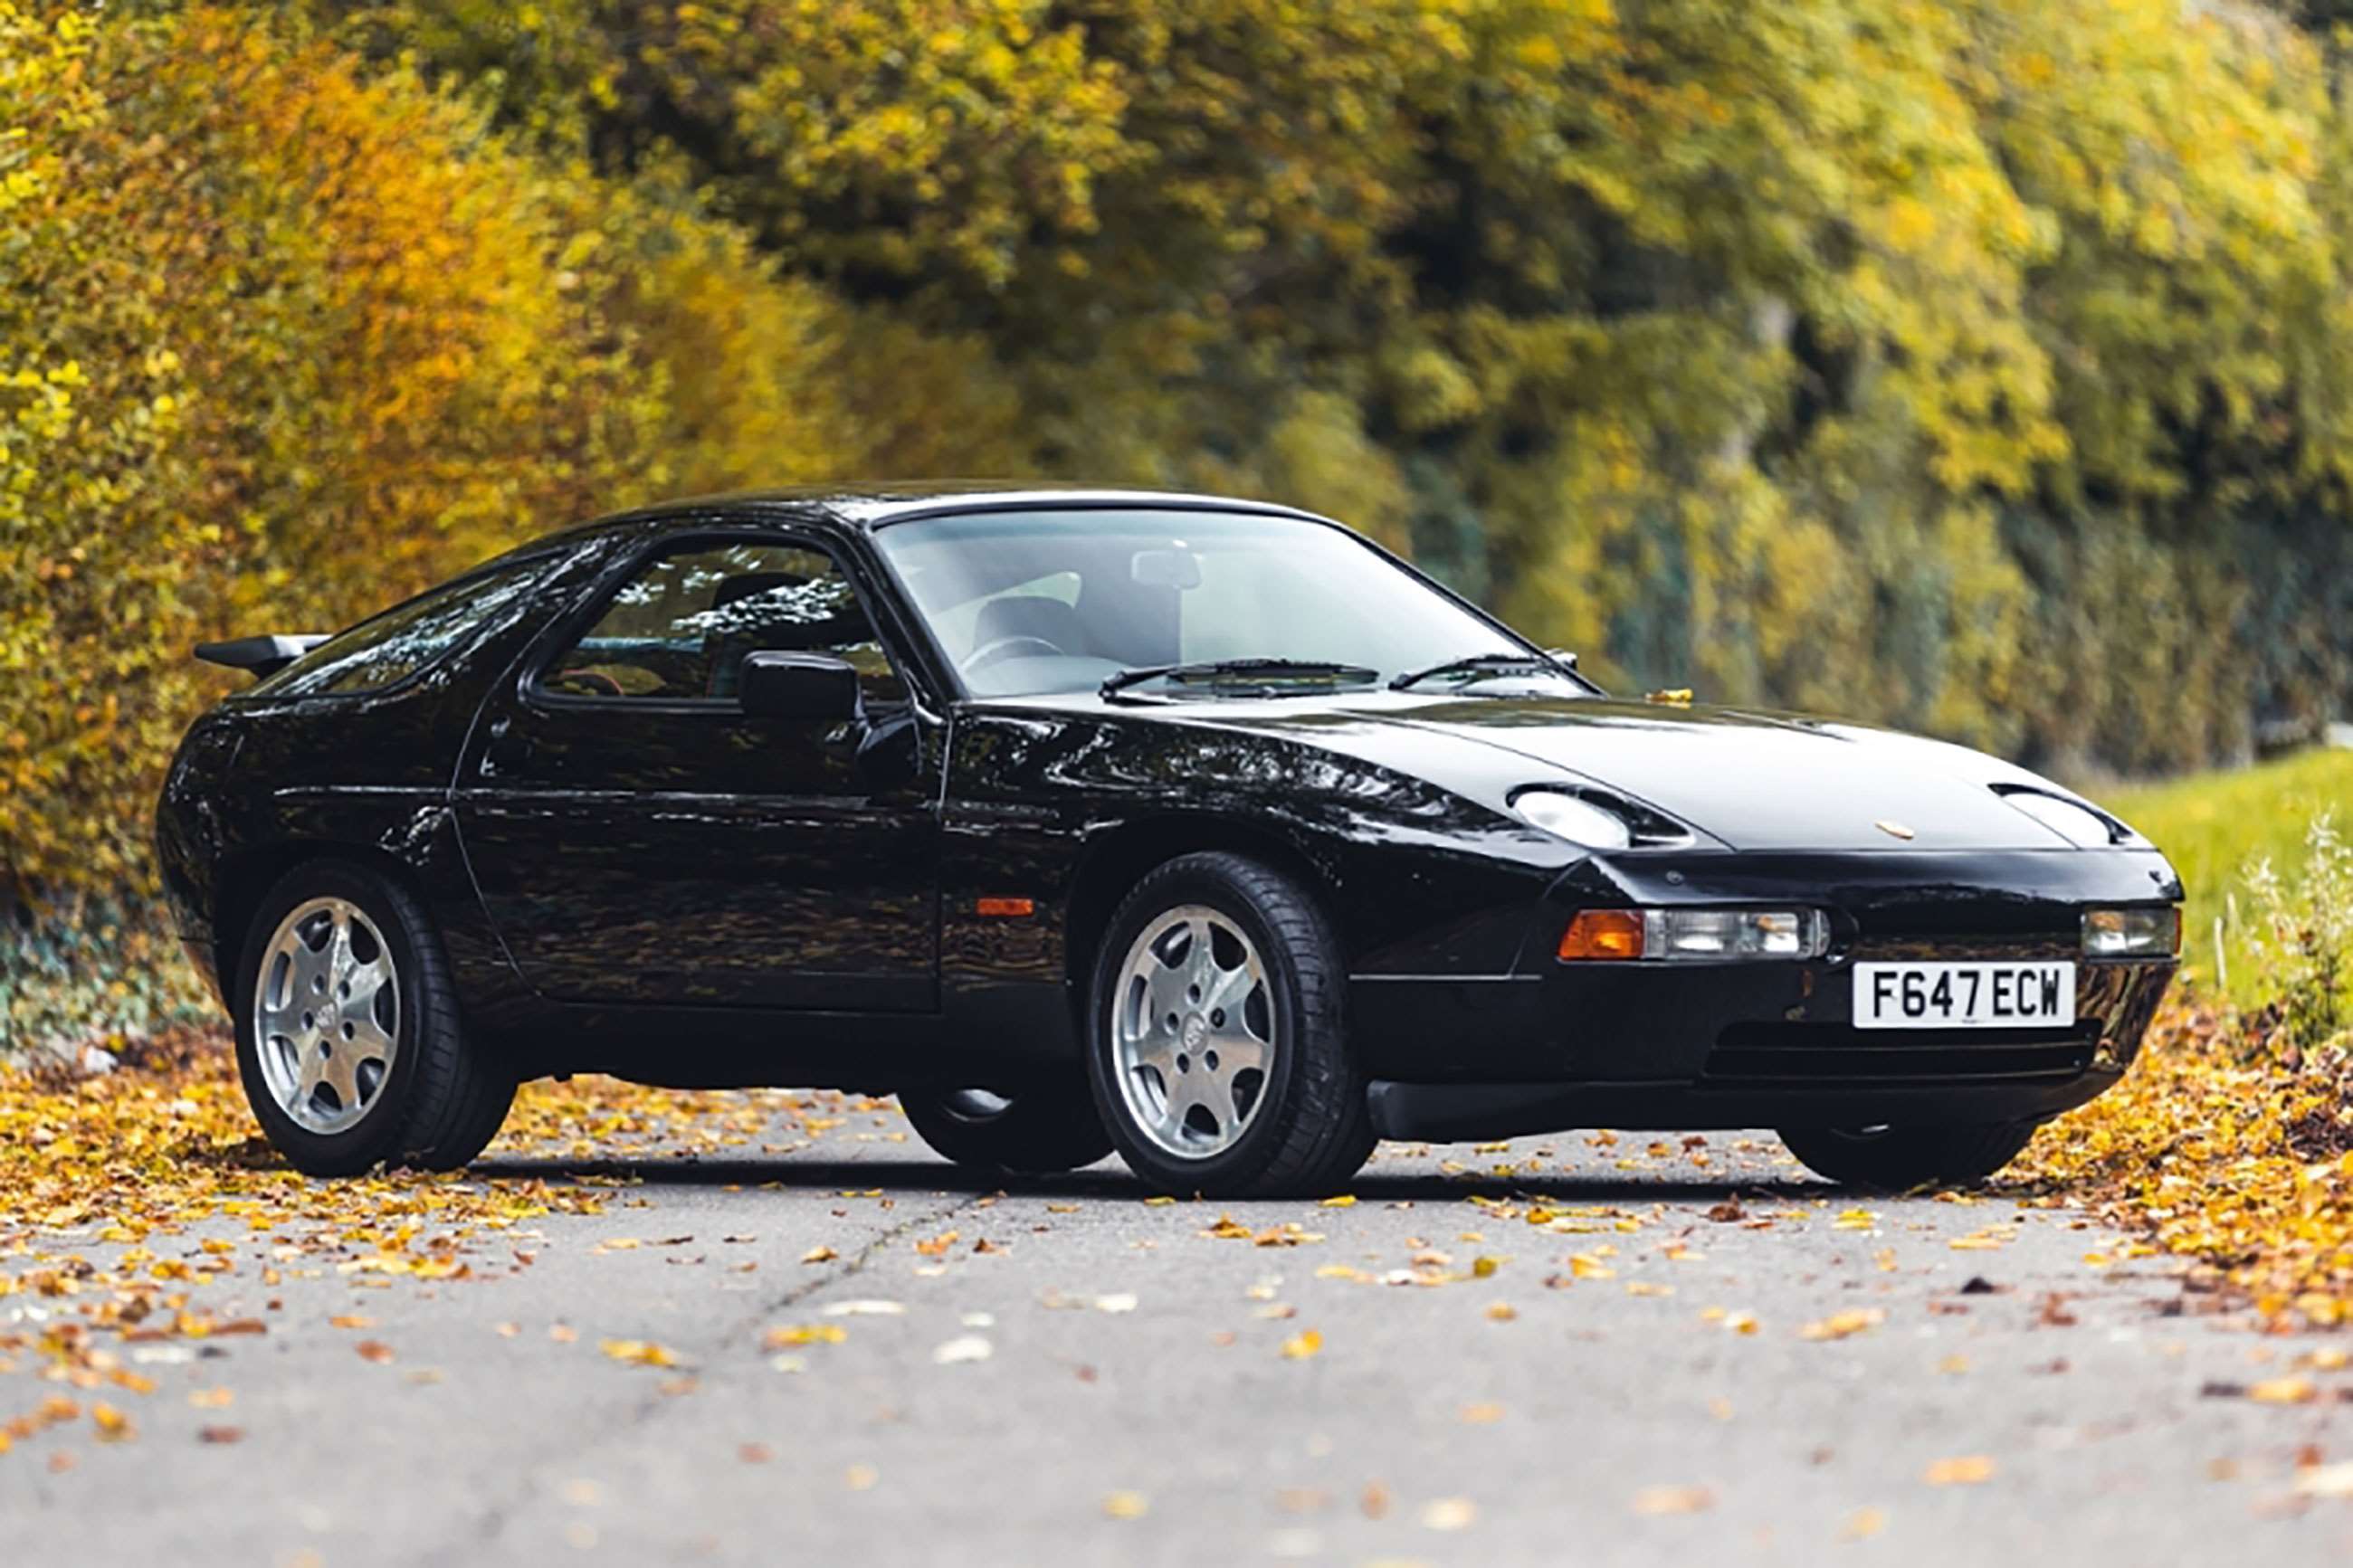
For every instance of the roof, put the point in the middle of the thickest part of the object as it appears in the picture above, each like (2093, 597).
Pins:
(871, 503)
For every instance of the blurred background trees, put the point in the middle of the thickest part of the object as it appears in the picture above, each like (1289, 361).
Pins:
(1979, 366)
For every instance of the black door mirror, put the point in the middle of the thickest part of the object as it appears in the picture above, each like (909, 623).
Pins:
(812, 686)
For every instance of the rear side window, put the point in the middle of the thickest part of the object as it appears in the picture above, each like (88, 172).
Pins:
(389, 647)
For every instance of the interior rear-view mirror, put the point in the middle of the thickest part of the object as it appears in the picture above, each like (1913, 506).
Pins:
(1167, 569)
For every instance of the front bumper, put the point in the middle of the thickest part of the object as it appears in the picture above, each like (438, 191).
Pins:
(1699, 1045)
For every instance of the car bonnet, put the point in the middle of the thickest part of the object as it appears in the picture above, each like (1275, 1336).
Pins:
(1752, 781)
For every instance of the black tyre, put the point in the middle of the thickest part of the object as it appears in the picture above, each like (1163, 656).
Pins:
(1032, 1130)
(348, 1034)
(1217, 1034)
(1898, 1157)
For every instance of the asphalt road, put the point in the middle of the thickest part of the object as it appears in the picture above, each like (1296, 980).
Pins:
(1629, 1375)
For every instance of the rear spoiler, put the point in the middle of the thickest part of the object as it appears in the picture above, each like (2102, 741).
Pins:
(260, 655)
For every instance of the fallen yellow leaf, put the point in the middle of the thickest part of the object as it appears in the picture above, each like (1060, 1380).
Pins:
(1841, 1325)
(1862, 1524)
(2284, 1391)
(1966, 1472)
(792, 1334)
(1449, 1513)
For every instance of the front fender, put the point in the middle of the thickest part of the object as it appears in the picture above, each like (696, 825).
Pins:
(1418, 877)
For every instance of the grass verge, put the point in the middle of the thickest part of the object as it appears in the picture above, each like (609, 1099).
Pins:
(2211, 826)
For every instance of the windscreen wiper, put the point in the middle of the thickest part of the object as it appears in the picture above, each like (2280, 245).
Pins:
(1238, 670)
(1479, 663)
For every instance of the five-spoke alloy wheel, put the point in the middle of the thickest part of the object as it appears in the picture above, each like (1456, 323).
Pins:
(1193, 1032)
(1217, 1035)
(348, 1035)
(327, 1014)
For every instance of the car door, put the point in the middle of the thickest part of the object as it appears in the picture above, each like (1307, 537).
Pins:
(636, 837)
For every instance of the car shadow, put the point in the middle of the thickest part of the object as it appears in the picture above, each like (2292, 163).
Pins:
(900, 1177)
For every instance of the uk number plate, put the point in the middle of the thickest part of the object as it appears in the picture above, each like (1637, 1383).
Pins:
(1964, 995)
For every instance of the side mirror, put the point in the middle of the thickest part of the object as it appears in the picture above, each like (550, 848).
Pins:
(1562, 657)
(809, 686)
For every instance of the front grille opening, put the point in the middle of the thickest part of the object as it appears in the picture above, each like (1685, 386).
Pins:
(1752, 1054)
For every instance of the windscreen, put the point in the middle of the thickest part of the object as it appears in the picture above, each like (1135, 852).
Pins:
(1024, 603)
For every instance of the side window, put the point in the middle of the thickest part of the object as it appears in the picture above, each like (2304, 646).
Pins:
(679, 629)
(396, 644)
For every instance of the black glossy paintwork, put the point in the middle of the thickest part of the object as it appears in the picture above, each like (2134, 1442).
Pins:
(693, 896)
(705, 857)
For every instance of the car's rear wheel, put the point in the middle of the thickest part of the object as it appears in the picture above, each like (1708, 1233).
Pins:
(1033, 1129)
(348, 1035)
(1896, 1157)
(1217, 1034)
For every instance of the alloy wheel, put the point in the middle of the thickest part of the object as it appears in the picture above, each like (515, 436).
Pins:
(326, 1014)
(1193, 1032)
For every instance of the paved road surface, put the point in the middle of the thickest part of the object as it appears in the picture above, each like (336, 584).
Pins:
(1630, 1378)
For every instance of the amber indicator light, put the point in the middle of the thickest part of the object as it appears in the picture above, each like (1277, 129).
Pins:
(1006, 909)
(1603, 933)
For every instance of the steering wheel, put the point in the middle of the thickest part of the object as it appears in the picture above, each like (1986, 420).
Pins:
(1021, 645)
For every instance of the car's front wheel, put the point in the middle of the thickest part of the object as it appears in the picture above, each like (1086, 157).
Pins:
(1217, 1034)
(1033, 1129)
(1896, 1157)
(348, 1036)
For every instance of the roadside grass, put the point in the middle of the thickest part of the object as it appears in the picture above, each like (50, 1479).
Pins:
(2212, 827)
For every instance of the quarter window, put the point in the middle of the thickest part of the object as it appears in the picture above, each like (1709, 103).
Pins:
(389, 647)
(678, 630)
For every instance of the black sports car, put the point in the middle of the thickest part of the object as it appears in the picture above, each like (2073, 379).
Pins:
(1201, 829)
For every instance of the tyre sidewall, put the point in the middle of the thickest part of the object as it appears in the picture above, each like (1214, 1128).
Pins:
(375, 1136)
(1957, 1155)
(1040, 1130)
(1232, 1168)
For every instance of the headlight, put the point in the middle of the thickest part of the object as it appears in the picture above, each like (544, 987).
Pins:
(1579, 822)
(1696, 935)
(2085, 829)
(2132, 933)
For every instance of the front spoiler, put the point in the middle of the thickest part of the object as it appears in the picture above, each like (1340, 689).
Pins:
(1465, 1112)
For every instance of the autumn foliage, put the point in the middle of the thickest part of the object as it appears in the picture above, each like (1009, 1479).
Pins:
(1981, 367)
